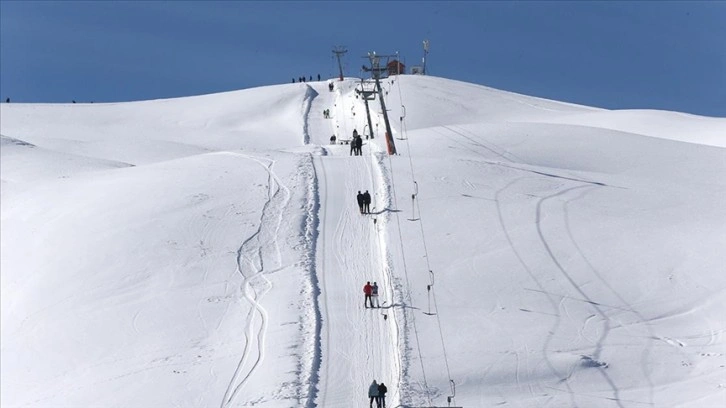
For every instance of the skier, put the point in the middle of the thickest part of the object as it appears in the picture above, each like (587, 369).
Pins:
(361, 201)
(374, 295)
(332, 139)
(382, 390)
(330, 87)
(367, 290)
(373, 393)
(366, 202)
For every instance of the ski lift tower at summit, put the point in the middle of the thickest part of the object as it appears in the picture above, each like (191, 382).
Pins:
(377, 71)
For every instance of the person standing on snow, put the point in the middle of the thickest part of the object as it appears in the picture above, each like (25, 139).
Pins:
(374, 295)
(361, 202)
(367, 290)
(359, 145)
(382, 390)
(354, 142)
(366, 203)
(373, 393)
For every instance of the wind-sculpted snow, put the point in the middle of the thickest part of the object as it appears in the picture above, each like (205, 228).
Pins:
(208, 251)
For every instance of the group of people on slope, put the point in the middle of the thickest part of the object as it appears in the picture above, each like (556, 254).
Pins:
(302, 79)
(356, 144)
(377, 392)
(364, 202)
(326, 114)
(371, 295)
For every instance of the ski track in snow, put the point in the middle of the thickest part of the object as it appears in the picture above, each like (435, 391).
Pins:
(557, 307)
(260, 248)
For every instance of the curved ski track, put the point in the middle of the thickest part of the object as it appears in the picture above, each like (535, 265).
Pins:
(260, 248)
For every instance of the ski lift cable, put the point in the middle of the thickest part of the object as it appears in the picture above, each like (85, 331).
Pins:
(340, 98)
(408, 282)
(388, 282)
(423, 234)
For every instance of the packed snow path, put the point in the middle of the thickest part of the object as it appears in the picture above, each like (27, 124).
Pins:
(358, 345)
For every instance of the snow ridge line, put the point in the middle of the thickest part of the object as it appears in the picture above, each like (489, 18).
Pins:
(253, 252)
(310, 94)
(311, 325)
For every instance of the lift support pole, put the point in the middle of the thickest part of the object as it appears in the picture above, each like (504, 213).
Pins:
(366, 95)
(376, 71)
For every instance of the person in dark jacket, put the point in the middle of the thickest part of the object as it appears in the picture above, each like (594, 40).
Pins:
(373, 393)
(366, 203)
(318, 77)
(361, 202)
(359, 145)
(382, 390)
(367, 290)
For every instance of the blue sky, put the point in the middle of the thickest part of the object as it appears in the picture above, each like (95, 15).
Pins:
(617, 55)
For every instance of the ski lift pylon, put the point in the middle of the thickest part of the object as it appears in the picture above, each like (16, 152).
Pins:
(413, 203)
(428, 290)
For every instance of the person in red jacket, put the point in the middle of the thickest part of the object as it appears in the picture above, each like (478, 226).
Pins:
(368, 290)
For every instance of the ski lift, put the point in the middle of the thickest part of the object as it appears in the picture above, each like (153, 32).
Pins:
(428, 289)
(403, 107)
(449, 399)
(367, 94)
(413, 203)
(453, 392)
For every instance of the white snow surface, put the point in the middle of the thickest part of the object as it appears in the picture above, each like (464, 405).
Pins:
(208, 251)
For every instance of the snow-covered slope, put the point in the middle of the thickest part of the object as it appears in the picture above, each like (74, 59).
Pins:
(208, 251)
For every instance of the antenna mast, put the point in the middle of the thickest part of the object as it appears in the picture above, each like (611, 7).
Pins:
(338, 51)
(426, 52)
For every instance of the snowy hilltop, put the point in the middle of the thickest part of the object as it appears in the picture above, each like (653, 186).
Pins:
(209, 251)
